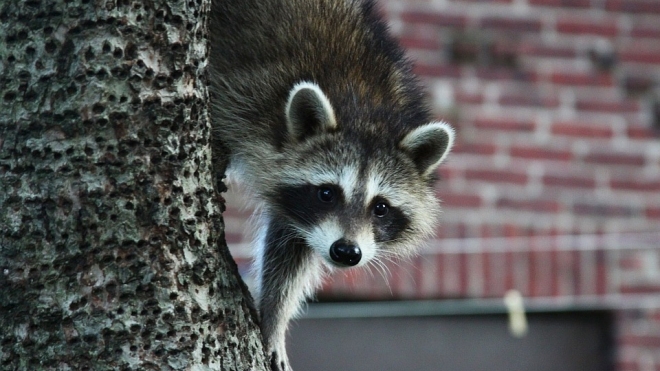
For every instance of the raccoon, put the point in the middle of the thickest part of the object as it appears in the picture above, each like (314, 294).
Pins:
(326, 130)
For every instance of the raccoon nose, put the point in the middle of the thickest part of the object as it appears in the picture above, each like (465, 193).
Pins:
(346, 253)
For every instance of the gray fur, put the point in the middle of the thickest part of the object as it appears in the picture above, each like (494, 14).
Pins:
(315, 95)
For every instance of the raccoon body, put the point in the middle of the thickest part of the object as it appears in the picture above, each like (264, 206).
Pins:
(327, 131)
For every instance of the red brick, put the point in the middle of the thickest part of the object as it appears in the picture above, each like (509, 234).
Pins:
(642, 132)
(562, 3)
(486, 231)
(489, 289)
(542, 265)
(602, 273)
(448, 173)
(415, 42)
(649, 341)
(551, 51)
(590, 79)
(639, 55)
(497, 176)
(509, 280)
(633, 6)
(504, 46)
(439, 260)
(503, 124)
(585, 27)
(653, 212)
(530, 205)
(437, 19)
(615, 159)
(469, 98)
(626, 106)
(512, 230)
(640, 289)
(533, 100)
(645, 32)
(576, 129)
(491, 73)
(455, 230)
(637, 84)
(460, 200)
(631, 263)
(540, 153)
(464, 51)
(604, 211)
(511, 24)
(487, 1)
(567, 272)
(475, 148)
(438, 70)
(569, 181)
(636, 185)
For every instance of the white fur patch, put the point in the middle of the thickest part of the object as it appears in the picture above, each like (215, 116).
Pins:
(314, 177)
(365, 240)
(261, 220)
(323, 236)
(329, 231)
(372, 188)
(376, 186)
(348, 181)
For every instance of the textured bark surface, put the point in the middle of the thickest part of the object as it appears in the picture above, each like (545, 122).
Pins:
(109, 220)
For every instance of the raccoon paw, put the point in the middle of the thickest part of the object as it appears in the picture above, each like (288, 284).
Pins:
(279, 362)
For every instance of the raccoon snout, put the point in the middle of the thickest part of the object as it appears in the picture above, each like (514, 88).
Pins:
(346, 253)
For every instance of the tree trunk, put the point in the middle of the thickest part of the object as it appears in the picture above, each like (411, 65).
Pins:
(109, 220)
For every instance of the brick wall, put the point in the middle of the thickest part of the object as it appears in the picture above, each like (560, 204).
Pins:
(554, 186)
(555, 106)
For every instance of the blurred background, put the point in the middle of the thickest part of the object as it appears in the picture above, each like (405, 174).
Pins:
(553, 190)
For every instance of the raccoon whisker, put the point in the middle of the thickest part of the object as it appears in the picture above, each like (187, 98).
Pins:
(384, 272)
(303, 233)
(373, 267)
(387, 260)
(284, 239)
(390, 256)
(385, 269)
(381, 259)
(369, 269)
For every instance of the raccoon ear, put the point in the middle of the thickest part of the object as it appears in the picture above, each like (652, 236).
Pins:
(428, 145)
(308, 111)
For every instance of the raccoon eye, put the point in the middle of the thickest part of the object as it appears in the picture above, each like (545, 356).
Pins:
(381, 209)
(326, 194)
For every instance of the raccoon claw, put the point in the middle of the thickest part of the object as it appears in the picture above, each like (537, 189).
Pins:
(278, 364)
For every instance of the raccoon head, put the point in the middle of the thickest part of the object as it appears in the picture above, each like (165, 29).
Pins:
(350, 197)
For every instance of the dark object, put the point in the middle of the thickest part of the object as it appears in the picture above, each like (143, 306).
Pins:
(604, 60)
(560, 341)
(345, 253)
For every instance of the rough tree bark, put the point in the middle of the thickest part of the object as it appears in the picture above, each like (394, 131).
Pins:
(109, 220)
